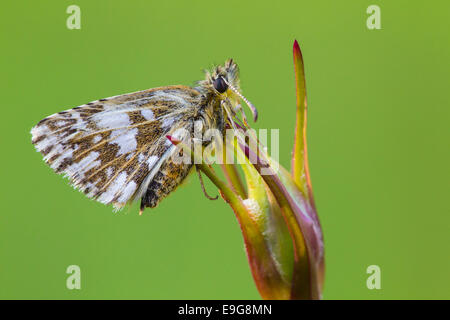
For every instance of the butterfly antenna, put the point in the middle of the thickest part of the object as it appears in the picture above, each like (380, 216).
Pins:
(203, 185)
(244, 117)
(229, 115)
(232, 122)
(249, 104)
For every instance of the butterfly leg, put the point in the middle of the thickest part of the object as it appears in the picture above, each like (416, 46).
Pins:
(203, 185)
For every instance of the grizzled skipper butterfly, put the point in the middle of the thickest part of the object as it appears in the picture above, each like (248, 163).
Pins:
(116, 149)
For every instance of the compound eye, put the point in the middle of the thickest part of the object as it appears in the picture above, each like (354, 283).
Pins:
(220, 85)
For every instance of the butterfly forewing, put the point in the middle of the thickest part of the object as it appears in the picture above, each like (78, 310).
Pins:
(112, 148)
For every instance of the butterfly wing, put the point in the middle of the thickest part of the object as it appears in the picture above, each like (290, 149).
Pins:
(112, 149)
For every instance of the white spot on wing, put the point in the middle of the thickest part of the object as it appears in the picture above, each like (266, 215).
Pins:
(85, 164)
(125, 139)
(43, 144)
(75, 115)
(148, 114)
(115, 186)
(111, 121)
(92, 188)
(109, 172)
(66, 154)
(97, 139)
(56, 150)
(60, 123)
(40, 131)
(127, 192)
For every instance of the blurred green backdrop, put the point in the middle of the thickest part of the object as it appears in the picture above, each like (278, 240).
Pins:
(378, 137)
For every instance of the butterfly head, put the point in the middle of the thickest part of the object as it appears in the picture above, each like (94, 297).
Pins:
(223, 82)
(222, 79)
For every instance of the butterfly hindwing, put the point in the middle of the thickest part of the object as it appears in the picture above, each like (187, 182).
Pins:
(113, 148)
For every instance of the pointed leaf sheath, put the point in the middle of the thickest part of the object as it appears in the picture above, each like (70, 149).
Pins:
(268, 217)
(300, 169)
(303, 226)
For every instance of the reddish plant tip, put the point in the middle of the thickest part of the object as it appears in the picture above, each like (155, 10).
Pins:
(173, 140)
(296, 49)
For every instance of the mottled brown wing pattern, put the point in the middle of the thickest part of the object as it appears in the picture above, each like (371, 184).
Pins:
(113, 148)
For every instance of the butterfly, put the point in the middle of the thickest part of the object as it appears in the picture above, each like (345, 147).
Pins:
(116, 150)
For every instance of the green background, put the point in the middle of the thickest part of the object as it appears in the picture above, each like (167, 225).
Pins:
(377, 131)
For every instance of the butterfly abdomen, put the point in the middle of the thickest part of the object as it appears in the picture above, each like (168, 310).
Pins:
(170, 176)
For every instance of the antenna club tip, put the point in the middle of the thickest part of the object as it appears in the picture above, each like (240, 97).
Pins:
(255, 116)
